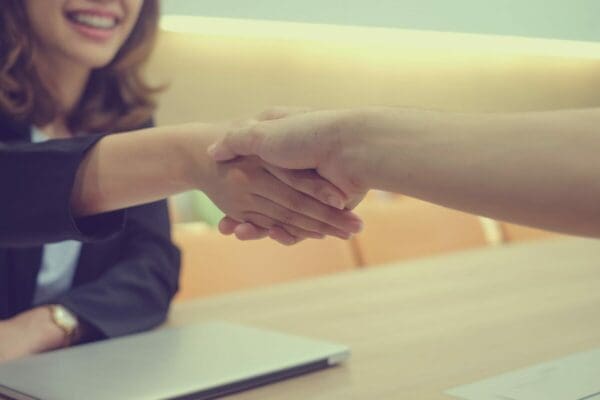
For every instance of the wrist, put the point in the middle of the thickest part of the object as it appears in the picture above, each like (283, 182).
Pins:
(386, 141)
(191, 142)
(356, 145)
(44, 334)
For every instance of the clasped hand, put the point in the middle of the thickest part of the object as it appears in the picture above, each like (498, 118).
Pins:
(287, 205)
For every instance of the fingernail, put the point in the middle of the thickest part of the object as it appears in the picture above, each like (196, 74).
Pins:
(356, 226)
(335, 202)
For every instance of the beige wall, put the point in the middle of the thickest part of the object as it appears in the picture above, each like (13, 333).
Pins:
(223, 77)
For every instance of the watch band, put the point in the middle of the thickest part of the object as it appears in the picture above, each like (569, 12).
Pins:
(65, 321)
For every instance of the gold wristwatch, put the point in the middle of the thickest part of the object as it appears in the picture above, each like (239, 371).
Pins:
(66, 321)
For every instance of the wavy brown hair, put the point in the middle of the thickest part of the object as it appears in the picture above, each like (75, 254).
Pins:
(116, 98)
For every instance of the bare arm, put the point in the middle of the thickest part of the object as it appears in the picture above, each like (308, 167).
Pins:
(539, 169)
(49, 189)
(137, 167)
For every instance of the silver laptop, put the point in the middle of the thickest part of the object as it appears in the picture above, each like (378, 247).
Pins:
(203, 361)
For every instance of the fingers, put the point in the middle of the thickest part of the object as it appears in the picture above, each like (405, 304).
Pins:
(298, 209)
(265, 202)
(311, 183)
(248, 231)
(267, 222)
(286, 234)
(288, 217)
(242, 230)
(282, 236)
(227, 225)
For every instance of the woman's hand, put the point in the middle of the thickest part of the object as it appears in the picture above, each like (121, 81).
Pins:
(167, 160)
(29, 333)
(250, 191)
(328, 120)
(301, 180)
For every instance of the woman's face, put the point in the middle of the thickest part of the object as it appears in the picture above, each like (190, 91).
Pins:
(87, 32)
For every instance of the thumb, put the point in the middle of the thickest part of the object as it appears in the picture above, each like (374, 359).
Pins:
(241, 142)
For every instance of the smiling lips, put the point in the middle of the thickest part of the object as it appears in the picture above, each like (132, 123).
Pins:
(96, 25)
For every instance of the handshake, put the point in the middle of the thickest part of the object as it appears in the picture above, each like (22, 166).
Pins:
(285, 175)
(292, 174)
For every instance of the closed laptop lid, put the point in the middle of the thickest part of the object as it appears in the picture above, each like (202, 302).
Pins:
(196, 361)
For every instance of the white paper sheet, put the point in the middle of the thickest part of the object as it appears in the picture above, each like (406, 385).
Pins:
(576, 377)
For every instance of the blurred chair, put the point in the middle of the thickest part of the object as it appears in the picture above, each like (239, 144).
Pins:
(213, 263)
(403, 228)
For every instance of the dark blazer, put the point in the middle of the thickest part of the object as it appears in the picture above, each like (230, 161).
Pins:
(128, 269)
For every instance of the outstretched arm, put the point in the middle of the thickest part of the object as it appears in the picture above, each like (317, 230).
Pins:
(538, 169)
(56, 190)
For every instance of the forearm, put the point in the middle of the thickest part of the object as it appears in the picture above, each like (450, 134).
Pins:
(132, 308)
(139, 167)
(538, 169)
(30, 332)
(142, 280)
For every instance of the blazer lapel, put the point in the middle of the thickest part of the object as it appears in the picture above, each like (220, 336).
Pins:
(19, 266)
(84, 264)
(24, 267)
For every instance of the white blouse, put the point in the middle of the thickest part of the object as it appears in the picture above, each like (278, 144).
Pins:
(59, 260)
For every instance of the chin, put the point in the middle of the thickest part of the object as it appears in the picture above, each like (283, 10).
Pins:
(97, 63)
(93, 59)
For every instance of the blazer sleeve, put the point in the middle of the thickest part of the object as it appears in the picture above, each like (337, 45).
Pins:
(36, 181)
(135, 294)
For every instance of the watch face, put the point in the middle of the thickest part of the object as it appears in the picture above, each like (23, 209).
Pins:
(65, 318)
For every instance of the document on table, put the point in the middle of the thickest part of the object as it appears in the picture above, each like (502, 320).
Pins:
(576, 377)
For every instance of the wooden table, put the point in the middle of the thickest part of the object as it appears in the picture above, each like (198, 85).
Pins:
(419, 328)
